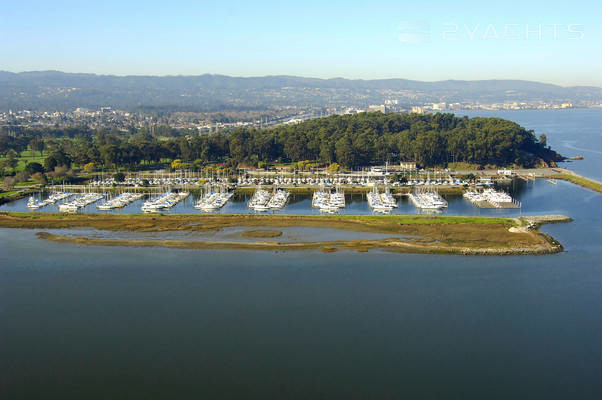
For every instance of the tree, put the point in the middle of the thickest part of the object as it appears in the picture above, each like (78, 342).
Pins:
(326, 151)
(197, 165)
(543, 140)
(185, 149)
(119, 177)
(177, 164)
(89, 167)
(109, 154)
(333, 168)
(94, 155)
(56, 159)
(303, 165)
(8, 183)
(37, 144)
(34, 167)
(50, 164)
(295, 148)
(348, 140)
(3, 167)
(22, 176)
(345, 152)
(42, 178)
(79, 152)
(11, 158)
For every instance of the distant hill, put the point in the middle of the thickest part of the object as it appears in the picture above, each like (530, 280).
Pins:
(53, 90)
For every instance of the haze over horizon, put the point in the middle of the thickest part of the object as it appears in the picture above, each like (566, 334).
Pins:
(295, 76)
(553, 42)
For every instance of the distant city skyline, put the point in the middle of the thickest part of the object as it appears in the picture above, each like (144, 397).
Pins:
(545, 41)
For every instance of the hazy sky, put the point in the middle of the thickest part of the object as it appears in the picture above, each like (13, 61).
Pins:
(425, 40)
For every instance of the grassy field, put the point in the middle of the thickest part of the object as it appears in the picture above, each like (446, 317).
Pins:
(27, 157)
(12, 195)
(7, 194)
(254, 219)
(463, 166)
(581, 181)
(410, 233)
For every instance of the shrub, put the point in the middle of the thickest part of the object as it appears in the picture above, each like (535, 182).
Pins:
(34, 167)
(22, 176)
(8, 183)
(89, 167)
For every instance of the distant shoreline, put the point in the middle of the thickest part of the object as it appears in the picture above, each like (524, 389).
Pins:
(422, 234)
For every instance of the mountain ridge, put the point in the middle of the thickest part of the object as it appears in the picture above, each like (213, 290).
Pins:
(62, 90)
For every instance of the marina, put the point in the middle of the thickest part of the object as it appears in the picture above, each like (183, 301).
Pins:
(262, 200)
(381, 202)
(327, 201)
(279, 199)
(259, 201)
(301, 200)
(491, 198)
(333, 199)
(150, 313)
(119, 201)
(427, 199)
(35, 202)
(163, 202)
(80, 201)
(213, 199)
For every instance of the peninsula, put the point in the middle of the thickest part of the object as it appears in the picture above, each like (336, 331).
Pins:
(404, 233)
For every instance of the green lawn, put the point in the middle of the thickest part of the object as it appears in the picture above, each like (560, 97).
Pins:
(7, 194)
(27, 157)
(463, 166)
(33, 154)
(581, 181)
(430, 219)
(28, 183)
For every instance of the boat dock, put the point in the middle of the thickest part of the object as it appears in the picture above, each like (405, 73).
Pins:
(490, 198)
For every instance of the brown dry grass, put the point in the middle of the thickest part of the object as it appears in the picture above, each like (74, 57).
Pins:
(427, 234)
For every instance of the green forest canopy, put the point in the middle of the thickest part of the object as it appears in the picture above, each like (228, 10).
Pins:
(349, 140)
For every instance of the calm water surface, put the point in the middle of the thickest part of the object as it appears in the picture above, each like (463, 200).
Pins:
(569, 132)
(535, 197)
(95, 322)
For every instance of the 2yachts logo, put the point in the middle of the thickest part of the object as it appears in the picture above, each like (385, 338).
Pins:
(420, 31)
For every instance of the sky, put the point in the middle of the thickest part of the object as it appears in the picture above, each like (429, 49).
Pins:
(551, 41)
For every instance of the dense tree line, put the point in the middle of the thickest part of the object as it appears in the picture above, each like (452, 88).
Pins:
(349, 140)
(363, 139)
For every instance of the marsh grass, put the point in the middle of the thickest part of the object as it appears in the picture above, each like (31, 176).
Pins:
(581, 181)
(425, 234)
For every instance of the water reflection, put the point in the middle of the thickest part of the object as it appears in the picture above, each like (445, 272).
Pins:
(532, 195)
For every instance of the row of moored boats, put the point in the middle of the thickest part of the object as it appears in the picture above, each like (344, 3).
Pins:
(213, 200)
(262, 200)
(427, 200)
(34, 203)
(492, 196)
(80, 201)
(164, 201)
(327, 201)
(382, 202)
(119, 201)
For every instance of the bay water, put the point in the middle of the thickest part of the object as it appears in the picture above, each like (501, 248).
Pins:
(144, 323)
